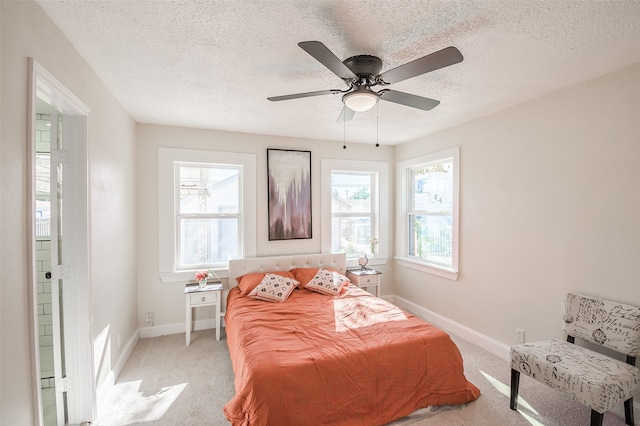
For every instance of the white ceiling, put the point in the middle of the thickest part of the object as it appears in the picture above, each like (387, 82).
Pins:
(212, 64)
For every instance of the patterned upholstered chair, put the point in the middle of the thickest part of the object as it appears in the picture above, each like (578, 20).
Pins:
(589, 377)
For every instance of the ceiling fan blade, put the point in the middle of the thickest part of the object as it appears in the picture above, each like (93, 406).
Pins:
(440, 59)
(327, 58)
(346, 114)
(303, 95)
(408, 99)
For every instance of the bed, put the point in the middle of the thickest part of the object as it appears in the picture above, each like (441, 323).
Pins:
(322, 359)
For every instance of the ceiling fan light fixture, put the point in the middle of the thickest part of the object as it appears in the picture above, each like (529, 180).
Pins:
(360, 100)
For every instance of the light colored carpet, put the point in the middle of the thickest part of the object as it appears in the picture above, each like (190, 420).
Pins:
(167, 383)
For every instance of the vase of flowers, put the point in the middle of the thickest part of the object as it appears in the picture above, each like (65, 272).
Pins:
(201, 277)
(372, 246)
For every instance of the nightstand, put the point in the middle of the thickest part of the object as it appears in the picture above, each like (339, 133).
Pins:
(364, 278)
(196, 296)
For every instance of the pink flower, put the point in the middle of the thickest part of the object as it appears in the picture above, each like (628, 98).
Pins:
(202, 275)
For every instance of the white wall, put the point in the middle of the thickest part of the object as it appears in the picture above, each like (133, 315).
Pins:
(166, 300)
(27, 32)
(550, 203)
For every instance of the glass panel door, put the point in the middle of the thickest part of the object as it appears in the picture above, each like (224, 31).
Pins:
(43, 264)
(49, 191)
(58, 265)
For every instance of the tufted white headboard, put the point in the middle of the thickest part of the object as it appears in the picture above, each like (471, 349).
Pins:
(238, 267)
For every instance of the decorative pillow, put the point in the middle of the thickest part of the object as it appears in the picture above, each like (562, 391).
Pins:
(247, 282)
(273, 288)
(328, 282)
(304, 275)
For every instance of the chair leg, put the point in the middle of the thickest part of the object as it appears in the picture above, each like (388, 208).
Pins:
(515, 383)
(596, 418)
(628, 411)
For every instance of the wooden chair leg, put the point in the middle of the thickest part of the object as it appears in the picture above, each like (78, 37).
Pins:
(628, 412)
(596, 418)
(515, 383)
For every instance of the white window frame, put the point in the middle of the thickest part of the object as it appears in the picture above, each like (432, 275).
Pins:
(178, 216)
(381, 201)
(168, 158)
(404, 200)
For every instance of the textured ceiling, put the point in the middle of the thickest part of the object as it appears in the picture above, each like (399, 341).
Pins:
(212, 64)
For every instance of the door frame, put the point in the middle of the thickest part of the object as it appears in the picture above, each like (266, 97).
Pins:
(78, 316)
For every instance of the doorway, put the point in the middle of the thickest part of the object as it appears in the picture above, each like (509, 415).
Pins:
(59, 273)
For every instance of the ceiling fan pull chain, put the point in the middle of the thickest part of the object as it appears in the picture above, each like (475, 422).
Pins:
(344, 131)
(378, 125)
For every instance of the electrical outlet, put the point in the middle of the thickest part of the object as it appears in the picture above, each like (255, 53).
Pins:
(519, 335)
(148, 317)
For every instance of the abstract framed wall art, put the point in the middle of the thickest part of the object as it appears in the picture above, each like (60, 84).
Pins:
(289, 181)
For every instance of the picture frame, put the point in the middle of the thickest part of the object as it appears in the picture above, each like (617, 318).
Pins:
(289, 194)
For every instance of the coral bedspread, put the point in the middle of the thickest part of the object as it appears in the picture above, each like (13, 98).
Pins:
(350, 360)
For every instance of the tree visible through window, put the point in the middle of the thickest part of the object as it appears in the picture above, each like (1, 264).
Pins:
(355, 209)
(354, 226)
(430, 215)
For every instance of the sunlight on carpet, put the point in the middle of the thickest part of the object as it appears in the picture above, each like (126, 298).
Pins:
(136, 407)
(522, 404)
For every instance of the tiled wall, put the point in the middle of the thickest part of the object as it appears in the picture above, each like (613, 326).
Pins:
(43, 265)
(42, 133)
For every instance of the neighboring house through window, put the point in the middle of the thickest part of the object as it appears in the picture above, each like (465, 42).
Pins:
(355, 208)
(428, 215)
(207, 213)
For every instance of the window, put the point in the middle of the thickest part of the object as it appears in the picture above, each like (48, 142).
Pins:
(428, 225)
(43, 195)
(207, 210)
(208, 214)
(353, 220)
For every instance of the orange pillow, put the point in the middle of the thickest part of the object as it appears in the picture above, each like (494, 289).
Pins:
(304, 275)
(247, 282)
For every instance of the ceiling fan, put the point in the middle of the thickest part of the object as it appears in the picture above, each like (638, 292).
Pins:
(362, 72)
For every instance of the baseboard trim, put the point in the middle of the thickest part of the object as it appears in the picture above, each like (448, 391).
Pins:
(175, 328)
(492, 346)
(118, 366)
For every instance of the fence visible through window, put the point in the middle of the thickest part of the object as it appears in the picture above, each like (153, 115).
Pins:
(43, 227)
(431, 238)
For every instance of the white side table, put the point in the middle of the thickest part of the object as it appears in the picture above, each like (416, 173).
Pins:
(209, 295)
(365, 278)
